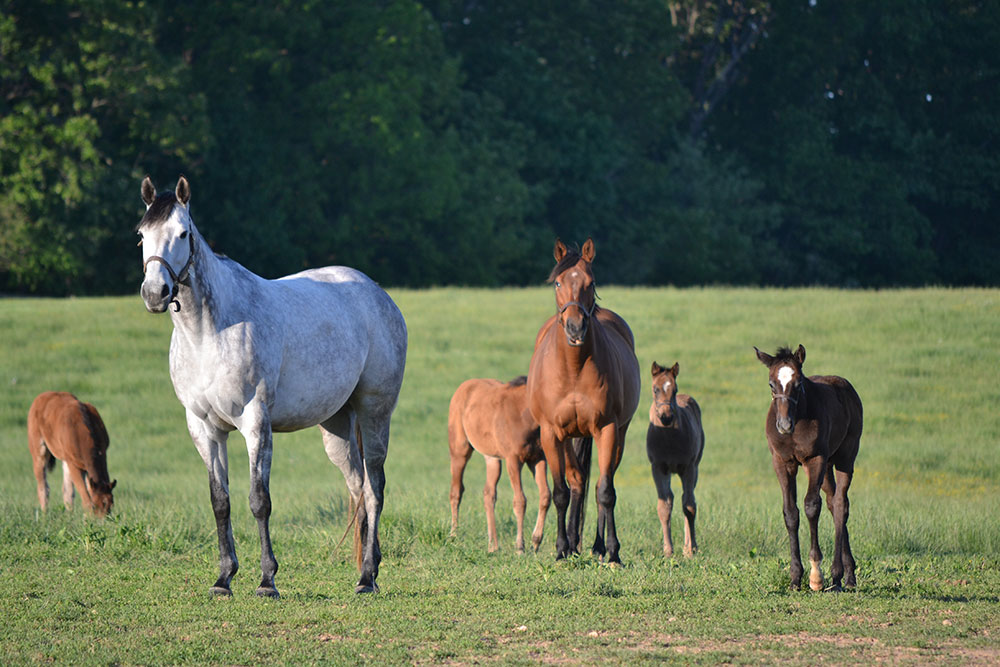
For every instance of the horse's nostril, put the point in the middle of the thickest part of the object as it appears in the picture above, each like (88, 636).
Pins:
(164, 291)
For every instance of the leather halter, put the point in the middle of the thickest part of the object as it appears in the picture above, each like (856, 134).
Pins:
(178, 277)
(587, 311)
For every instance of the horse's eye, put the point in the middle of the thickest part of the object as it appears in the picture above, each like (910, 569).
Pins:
(184, 234)
(558, 284)
(656, 390)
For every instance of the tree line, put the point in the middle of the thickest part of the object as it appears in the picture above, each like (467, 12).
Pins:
(782, 142)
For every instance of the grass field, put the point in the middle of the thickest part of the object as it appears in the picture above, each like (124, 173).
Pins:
(133, 589)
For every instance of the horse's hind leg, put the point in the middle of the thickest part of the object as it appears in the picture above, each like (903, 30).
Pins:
(843, 559)
(41, 459)
(337, 432)
(664, 505)
(460, 452)
(493, 470)
(544, 499)
(211, 445)
(374, 420)
(689, 479)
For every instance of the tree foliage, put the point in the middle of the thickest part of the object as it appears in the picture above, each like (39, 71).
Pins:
(698, 141)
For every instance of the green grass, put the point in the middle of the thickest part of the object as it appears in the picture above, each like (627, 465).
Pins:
(132, 589)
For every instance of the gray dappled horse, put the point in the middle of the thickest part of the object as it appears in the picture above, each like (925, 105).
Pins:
(325, 346)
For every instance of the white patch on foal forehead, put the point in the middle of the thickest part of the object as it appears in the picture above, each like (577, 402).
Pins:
(785, 375)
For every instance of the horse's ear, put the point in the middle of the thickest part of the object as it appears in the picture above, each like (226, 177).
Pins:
(183, 191)
(559, 251)
(657, 369)
(800, 354)
(676, 369)
(587, 251)
(764, 357)
(148, 191)
(113, 483)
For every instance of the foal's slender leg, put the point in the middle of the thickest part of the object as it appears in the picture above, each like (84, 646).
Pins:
(460, 451)
(71, 478)
(664, 505)
(813, 505)
(842, 542)
(544, 499)
(786, 479)
(211, 445)
(493, 470)
(520, 501)
(689, 479)
(555, 456)
(40, 458)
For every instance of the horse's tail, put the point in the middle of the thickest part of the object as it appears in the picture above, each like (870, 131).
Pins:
(358, 543)
(583, 449)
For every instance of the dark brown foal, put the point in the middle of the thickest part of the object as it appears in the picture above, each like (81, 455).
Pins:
(814, 422)
(674, 443)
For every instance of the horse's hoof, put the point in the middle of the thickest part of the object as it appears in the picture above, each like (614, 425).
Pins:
(267, 592)
(220, 592)
(365, 588)
(836, 588)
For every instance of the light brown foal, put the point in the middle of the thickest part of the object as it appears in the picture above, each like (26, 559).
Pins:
(62, 427)
(493, 418)
(675, 441)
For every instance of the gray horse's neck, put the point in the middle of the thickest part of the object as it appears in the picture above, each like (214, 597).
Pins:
(199, 295)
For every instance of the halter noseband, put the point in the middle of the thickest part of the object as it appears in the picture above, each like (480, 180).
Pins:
(587, 311)
(178, 278)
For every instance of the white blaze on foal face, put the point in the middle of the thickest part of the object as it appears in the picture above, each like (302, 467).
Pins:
(785, 375)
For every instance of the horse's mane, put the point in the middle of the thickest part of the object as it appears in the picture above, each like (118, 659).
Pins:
(571, 257)
(518, 381)
(159, 211)
(785, 354)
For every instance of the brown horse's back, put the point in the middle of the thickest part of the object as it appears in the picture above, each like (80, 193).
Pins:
(493, 418)
(71, 430)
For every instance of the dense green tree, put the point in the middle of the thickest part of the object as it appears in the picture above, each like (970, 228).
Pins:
(86, 102)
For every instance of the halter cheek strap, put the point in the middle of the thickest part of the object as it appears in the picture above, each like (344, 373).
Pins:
(177, 278)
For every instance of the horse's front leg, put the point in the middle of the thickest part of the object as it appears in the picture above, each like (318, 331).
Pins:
(813, 505)
(554, 455)
(211, 445)
(259, 450)
(610, 441)
(786, 471)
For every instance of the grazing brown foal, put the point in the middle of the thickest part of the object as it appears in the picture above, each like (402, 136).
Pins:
(62, 427)
(493, 418)
(814, 422)
(674, 443)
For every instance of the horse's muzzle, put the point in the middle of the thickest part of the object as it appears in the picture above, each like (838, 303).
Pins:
(784, 426)
(157, 297)
(575, 332)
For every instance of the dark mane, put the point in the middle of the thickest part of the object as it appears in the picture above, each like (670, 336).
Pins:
(159, 211)
(570, 259)
(518, 381)
(785, 354)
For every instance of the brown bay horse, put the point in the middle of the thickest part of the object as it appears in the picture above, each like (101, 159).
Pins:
(583, 382)
(62, 427)
(492, 417)
(814, 422)
(675, 441)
